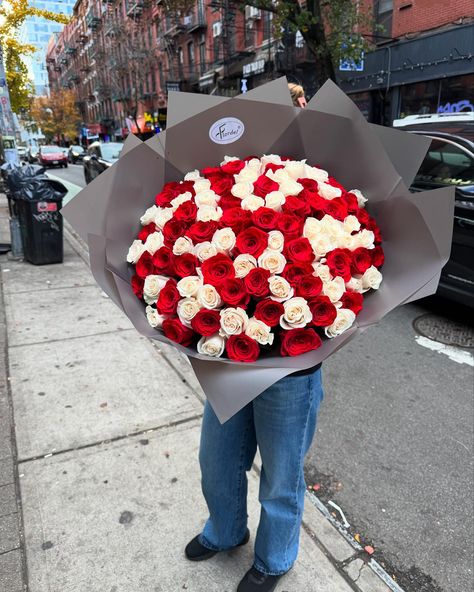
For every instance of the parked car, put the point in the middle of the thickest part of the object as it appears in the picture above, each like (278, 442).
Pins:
(32, 154)
(50, 156)
(22, 152)
(450, 162)
(99, 157)
(75, 153)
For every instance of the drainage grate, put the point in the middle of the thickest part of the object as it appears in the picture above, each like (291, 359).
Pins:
(444, 330)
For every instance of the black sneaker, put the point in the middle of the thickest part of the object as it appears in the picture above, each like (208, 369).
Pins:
(256, 581)
(194, 551)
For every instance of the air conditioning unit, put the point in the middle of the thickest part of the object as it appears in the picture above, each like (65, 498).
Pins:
(252, 13)
(188, 21)
(216, 29)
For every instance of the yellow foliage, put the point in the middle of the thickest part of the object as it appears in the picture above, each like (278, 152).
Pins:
(57, 115)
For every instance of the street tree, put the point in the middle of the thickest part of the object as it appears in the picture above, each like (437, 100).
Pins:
(57, 115)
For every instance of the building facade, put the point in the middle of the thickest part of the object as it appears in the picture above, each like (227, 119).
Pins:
(37, 31)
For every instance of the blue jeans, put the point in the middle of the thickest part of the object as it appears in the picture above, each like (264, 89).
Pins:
(281, 421)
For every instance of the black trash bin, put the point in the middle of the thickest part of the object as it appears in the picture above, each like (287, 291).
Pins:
(38, 202)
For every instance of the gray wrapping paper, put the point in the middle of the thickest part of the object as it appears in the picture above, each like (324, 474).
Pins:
(331, 133)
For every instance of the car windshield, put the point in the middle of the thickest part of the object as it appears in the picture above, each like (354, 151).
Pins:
(77, 148)
(50, 149)
(446, 164)
(111, 150)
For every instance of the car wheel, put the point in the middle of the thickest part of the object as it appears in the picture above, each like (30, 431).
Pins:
(65, 165)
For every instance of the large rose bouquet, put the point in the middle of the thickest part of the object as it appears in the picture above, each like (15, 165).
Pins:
(255, 253)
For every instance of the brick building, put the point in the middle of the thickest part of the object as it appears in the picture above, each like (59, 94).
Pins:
(423, 63)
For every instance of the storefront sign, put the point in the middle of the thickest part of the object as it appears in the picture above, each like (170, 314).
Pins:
(257, 67)
(172, 87)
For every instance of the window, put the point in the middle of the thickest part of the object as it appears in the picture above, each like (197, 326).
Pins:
(191, 57)
(180, 62)
(267, 25)
(446, 164)
(202, 56)
(217, 48)
(383, 10)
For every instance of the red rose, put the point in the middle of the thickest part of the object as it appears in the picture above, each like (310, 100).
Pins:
(351, 202)
(233, 167)
(372, 225)
(290, 225)
(332, 181)
(299, 250)
(169, 192)
(264, 185)
(297, 206)
(269, 311)
(362, 216)
(172, 230)
(309, 287)
(295, 272)
(200, 232)
(144, 265)
(186, 212)
(339, 262)
(221, 183)
(146, 231)
(336, 208)
(353, 301)
(242, 348)
(378, 257)
(233, 292)
(206, 322)
(217, 269)
(299, 341)
(210, 171)
(271, 166)
(256, 282)
(168, 299)
(137, 285)
(163, 260)
(185, 186)
(185, 265)
(235, 218)
(177, 332)
(315, 202)
(228, 201)
(361, 260)
(309, 184)
(252, 240)
(323, 310)
(265, 218)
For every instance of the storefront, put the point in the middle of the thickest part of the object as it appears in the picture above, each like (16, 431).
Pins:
(428, 74)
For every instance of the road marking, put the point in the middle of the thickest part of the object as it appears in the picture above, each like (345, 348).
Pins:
(455, 354)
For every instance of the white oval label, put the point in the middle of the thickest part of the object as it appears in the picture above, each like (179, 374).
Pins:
(226, 130)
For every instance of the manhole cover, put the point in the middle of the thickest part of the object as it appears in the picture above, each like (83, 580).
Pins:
(444, 330)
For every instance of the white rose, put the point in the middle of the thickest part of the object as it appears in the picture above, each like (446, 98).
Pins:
(233, 321)
(276, 240)
(315, 173)
(272, 260)
(322, 245)
(189, 286)
(177, 201)
(354, 285)
(345, 319)
(372, 278)
(351, 224)
(162, 216)
(259, 331)
(149, 216)
(365, 238)
(154, 318)
(243, 264)
(205, 250)
(201, 185)
(334, 289)
(154, 241)
(152, 287)
(255, 164)
(183, 245)
(208, 197)
(328, 191)
(330, 224)
(208, 214)
(274, 200)
(208, 297)
(252, 203)
(360, 198)
(242, 189)
(224, 239)
(311, 228)
(247, 174)
(280, 289)
(290, 187)
(270, 159)
(187, 310)
(295, 168)
(297, 314)
(322, 271)
(213, 346)
(192, 175)
(279, 176)
(229, 159)
(135, 251)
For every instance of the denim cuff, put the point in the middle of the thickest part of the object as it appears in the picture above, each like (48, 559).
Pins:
(259, 567)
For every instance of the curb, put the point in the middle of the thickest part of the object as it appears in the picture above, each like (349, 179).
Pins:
(350, 559)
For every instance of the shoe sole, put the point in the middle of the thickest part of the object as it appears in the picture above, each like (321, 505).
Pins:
(212, 553)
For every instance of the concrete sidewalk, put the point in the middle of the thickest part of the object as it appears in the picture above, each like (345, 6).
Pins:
(107, 431)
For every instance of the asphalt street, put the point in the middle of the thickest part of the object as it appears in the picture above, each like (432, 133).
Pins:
(394, 444)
